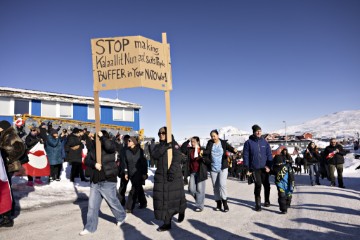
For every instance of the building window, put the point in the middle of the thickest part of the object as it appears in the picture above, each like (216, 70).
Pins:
(48, 109)
(128, 115)
(123, 114)
(56, 109)
(22, 107)
(66, 110)
(91, 112)
(5, 106)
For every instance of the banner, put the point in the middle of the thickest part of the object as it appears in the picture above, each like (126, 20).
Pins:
(38, 164)
(5, 192)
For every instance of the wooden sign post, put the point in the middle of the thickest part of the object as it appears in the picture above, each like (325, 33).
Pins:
(168, 112)
(129, 62)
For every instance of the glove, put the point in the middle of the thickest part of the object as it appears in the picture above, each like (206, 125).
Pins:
(169, 145)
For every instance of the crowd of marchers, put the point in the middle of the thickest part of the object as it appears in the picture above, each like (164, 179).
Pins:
(124, 158)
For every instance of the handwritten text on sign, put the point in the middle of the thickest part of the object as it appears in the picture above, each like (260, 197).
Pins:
(125, 62)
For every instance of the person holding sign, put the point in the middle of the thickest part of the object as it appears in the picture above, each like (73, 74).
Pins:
(103, 178)
(216, 152)
(169, 194)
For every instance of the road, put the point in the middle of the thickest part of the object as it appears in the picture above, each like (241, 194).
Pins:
(318, 212)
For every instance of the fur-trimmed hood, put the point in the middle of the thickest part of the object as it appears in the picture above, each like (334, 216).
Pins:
(11, 144)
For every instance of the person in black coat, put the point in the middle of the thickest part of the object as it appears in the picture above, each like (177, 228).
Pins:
(135, 169)
(73, 150)
(216, 153)
(121, 148)
(103, 178)
(334, 155)
(169, 194)
(198, 169)
(313, 158)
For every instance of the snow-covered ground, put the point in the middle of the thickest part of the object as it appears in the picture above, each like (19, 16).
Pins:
(57, 192)
(66, 191)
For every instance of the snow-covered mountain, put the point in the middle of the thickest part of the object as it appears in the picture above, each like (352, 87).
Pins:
(234, 135)
(342, 124)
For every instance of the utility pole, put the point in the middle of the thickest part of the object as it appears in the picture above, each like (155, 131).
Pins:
(285, 134)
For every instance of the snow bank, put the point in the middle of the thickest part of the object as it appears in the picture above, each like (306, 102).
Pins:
(58, 191)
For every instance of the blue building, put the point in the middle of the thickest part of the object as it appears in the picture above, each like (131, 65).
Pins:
(67, 107)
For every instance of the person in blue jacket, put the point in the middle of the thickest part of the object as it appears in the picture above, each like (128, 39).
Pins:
(53, 150)
(258, 159)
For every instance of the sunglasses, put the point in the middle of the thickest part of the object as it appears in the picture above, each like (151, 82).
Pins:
(129, 141)
(163, 133)
(34, 130)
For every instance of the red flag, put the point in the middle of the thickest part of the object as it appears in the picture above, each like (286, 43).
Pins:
(38, 164)
(5, 193)
(83, 156)
(331, 155)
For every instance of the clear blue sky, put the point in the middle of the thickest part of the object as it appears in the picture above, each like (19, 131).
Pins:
(233, 62)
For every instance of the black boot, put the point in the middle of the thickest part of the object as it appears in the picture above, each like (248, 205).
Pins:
(226, 207)
(164, 227)
(218, 205)
(181, 217)
(6, 221)
(288, 201)
(258, 204)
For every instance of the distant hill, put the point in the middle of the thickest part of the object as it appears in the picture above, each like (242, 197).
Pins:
(339, 124)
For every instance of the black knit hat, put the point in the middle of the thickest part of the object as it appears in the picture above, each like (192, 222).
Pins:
(5, 124)
(75, 130)
(256, 128)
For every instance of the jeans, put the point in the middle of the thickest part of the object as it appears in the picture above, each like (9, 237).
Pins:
(197, 189)
(339, 168)
(218, 180)
(98, 191)
(314, 171)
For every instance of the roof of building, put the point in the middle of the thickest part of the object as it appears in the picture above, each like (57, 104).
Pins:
(60, 97)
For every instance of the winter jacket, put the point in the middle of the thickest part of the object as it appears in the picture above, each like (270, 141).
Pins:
(257, 153)
(134, 162)
(284, 174)
(109, 169)
(31, 141)
(203, 166)
(338, 158)
(312, 156)
(225, 146)
(169, 194)
(73, 155)
(53, 150)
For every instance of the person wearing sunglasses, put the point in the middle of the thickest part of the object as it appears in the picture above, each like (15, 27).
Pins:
(334, 155)
(169, 195)
(135, 168)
